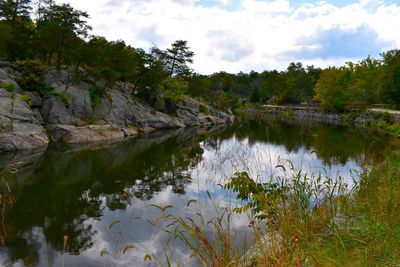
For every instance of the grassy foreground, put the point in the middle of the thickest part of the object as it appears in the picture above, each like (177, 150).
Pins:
(307, 221)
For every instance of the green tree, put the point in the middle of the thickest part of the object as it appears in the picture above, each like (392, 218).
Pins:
(330, 89)
(177, 58)
(390, 83)
(12, 10)
(58, 29)
(18, 28)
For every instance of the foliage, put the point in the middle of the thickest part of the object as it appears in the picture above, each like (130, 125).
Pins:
(321, 222)
(329, 90)
(32, 75)
(63, 96)
(95, 94)
(176, 58)
(58, 31)
(390, 87)
(59, 34)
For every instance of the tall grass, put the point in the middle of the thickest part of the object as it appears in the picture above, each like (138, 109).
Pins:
(301, 220)
(7, 199)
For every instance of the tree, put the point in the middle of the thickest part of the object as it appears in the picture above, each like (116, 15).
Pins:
(59, 28)
(40, 6)
(176, 58)
(330, 89)
(11, 10)
(390, 83)
(18, 27)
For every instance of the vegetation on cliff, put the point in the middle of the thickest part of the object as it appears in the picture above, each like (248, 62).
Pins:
(47, 33)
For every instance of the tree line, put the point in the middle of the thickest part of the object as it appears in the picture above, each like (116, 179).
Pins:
(39, 33)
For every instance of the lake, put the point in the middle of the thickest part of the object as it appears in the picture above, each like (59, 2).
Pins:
(88, 206)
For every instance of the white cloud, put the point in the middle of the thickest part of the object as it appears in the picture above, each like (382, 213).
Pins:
(253, 35)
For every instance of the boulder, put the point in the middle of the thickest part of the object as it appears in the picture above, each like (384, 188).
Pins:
(130, 131)
(86, 134)
(54, 111)
(23, 136)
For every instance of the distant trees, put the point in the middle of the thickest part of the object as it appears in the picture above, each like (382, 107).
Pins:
(60, 35)
(390, 86)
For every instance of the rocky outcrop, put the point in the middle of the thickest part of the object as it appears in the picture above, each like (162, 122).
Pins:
(19, 126)
(55, 112)
(189, 112)
(88, 134)
(117, 115)
(8, 78)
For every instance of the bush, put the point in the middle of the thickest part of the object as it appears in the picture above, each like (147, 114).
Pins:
(95, 94)
(174, 89)
(204, 109)
(32, 72)
(63, 96)
(395, 128)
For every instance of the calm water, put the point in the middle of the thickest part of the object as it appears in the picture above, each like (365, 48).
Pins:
(100, 198)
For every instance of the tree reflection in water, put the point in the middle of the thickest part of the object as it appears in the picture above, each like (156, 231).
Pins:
(56, 194)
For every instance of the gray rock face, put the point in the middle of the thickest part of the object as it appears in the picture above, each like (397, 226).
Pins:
(188, 111)
(87, 134)
(14, 108)
(146, 117)
(118, 115)
(118, 108)
(35, 99)
(54, 111)
(19, 127)
(23, 136)
(115, 108)
(8, 77)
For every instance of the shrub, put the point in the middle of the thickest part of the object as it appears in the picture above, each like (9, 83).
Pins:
(32, 72)
(395, 128)
(204, 109)
(63, 96)
(95, 94)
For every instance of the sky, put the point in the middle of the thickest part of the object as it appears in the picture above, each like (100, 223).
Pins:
(245, 35)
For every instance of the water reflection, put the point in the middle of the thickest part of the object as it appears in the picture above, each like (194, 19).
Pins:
(80, 193)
